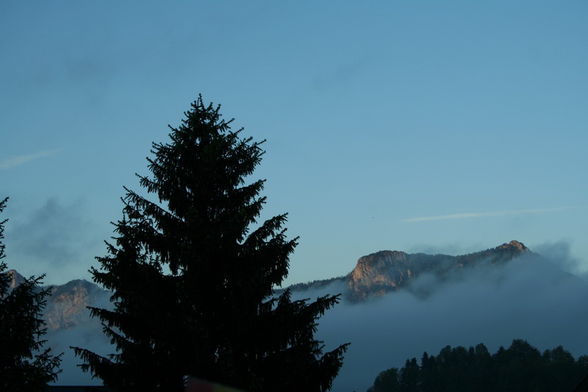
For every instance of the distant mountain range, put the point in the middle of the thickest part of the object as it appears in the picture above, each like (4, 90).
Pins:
(374, 275)
(386, 271)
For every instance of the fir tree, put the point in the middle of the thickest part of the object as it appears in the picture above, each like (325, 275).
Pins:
(24, 364)
(192, 275)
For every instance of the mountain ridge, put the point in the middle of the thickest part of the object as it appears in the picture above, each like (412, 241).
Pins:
(375, 274)
(384, 271)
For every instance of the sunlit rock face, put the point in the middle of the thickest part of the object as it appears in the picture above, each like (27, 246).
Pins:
(67, 305)
(381, 272)
(386, 271)
(15, 278)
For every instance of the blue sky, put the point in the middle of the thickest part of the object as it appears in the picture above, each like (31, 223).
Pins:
(412, 125)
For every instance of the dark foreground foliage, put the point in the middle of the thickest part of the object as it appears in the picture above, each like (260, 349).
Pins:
(192, 274)
(520, 368)
(24, 364)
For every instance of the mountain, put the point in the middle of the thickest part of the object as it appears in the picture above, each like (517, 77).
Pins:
(382, 272)
(66, 305)
(374, 275)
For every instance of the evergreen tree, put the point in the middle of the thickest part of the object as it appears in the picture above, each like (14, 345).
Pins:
(386, 381)
(24, 364)
(409, 376)
(192, 275)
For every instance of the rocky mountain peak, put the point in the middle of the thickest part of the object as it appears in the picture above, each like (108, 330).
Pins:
(380, 271)
(385, 271)
(501, 253)
(68, 303)
(15, 278)
(381, 259)
(515, 245)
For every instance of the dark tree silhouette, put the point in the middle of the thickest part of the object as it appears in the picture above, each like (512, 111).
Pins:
(521, 367)
(192, 275)
(24, 364)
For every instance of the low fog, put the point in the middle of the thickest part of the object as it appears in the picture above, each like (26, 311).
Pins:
(531, 297)
(87, 335)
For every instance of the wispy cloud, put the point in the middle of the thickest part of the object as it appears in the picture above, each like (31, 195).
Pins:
(470, 215)
(18, 160)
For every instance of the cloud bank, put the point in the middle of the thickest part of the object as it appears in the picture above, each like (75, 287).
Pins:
(55, 239)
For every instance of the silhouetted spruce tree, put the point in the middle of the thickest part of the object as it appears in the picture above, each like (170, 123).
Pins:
(192, 275)
(24, 364)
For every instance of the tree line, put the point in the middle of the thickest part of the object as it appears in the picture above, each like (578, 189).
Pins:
(520, 367)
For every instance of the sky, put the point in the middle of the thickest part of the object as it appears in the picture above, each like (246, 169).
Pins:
(443, 127)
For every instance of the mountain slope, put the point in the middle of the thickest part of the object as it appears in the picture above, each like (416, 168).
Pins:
(382, 272)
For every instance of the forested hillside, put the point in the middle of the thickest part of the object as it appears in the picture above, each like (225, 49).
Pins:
(521, 367)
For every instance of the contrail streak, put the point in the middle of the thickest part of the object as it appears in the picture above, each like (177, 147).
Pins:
(470, 215)
(22, 159)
